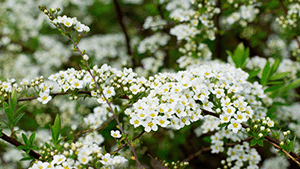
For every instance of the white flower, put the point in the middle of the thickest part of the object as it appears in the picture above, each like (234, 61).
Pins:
(77, 84)
(115, 134)
(136, 121)
(85, 57)
(234, 125)
(134, 89)
(58, 159)
(83, 159)
(109, 91)
(150, 124)
(106, 159)
(68, 22)
(44, 97)
(79, 27)
(7, 86)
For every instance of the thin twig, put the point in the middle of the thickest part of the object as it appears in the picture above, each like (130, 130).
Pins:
(286, 12)
(17, 144)
(285, 152)
(123, 145)
(296, 158)
(127, 39)
(197, 154)
(208, 149)
(53, 95)
(108, 102)
(76, 137)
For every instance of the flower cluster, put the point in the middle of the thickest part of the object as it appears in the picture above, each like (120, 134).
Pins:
(241, 154)
(7, 87)
(154, 23)
(77, 155)
(177, 99)
(153, 42)
(99, 115)
(71, 22)
(286, 65)
(291, 19)
(246, 14)
(106, 48)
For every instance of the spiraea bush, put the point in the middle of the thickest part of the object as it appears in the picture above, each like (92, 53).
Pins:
(149, 84)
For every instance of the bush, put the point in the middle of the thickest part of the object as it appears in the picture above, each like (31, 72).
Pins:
(149, 84)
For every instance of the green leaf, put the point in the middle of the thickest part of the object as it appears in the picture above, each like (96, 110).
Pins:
(245, 57)
(25, 139)
(4, 106)
(275, 66)
(271, 112)
(20, 109)
(18, 118)
(265, 74)
(273, 88)
(290, 146)
(261, 142)
(26, 158)
(293, 85)
(253, 73)
(279, 75)
(253, 142)
(239, 56)
(55, 129)
(13, 101)
(32, 137)
(275, 82)
(22, 147)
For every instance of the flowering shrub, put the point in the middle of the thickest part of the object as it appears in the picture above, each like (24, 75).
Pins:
(181, 81)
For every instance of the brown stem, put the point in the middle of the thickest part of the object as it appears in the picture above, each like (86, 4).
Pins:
(208, 148)
(296, 158)
(127, 39)
(53, 95)
(286, 12)
(17, 144)
(108, 102)
(91, 130)
(123, 145)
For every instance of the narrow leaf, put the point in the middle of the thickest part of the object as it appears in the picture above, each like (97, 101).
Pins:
(20, 109)
(265, 74)
(253, 73)
(275, 66)
(25, 139)
(245, 57)
(26, 158)
(253, 142)
(32, 137)
(273, 88)
(22, 147)
(294, 84)
(279, 75)
(18, 118)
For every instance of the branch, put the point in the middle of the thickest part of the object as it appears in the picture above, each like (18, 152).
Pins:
(196, 154)
(108, 102)
(208, 149)
(53, 95)
(120, 20)
(123, 145)
(76, 137)
(274, 142)
(17, 144)
(286, 12)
